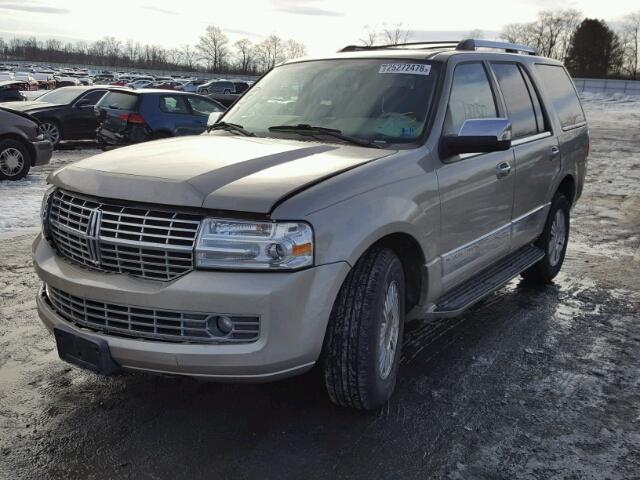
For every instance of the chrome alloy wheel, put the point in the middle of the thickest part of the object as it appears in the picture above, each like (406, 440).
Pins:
(389, 331)
(11, 162)
(50, 131)
(557, 238)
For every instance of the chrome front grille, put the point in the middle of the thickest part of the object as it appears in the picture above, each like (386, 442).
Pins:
(150, 243)
(149, 323)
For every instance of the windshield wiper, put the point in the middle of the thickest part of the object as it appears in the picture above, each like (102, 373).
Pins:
(232, 127)
(305, 129)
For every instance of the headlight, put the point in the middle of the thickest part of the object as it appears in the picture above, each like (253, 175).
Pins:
(44, 211)
(239, 244)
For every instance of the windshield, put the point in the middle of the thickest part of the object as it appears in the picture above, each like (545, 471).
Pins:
(384, 101)
(61, 96)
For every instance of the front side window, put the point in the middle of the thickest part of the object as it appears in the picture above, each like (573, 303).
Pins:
(385, 101)
(517, 99)
(563, 95)
(471, 97)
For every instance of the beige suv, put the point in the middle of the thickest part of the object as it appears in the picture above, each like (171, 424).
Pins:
(337, 199)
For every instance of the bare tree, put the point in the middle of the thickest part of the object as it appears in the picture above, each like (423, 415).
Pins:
(476, 33)
(188, 57)
(394, 34)
(631, 44)
(294, 49)
(370, 37)
(550, 34)
(213, 47)
(244, 54)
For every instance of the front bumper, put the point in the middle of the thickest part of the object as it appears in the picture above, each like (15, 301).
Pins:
(43, 151)
(294, 309)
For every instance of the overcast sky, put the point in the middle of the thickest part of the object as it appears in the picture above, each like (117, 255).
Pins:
(323, 25)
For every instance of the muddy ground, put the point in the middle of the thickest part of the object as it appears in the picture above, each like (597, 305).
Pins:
(534, 383)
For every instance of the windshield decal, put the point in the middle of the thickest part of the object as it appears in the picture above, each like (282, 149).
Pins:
(408, 68)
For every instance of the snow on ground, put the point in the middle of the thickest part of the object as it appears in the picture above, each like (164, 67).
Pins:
(21, 199)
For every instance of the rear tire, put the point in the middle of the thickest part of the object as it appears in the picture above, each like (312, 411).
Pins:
(364, 336)
(553, 241)
(15, 160)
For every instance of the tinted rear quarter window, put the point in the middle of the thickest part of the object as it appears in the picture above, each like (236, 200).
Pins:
(516, 98)
(119, 101)
(563, 95)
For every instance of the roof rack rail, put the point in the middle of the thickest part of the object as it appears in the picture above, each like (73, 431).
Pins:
(420, 45)
(469, 44)
(473, 44)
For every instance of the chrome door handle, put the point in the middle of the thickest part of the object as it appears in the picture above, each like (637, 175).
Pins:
(555, 151)
(503, 169)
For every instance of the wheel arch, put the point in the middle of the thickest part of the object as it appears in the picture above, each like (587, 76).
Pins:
(24, 142)
(567, 187)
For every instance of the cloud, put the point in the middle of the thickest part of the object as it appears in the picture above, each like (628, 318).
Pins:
(159, 10)
(35, 7)
(294, 7)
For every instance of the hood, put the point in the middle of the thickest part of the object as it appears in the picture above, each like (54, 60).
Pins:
(217, 171)
(29, 107)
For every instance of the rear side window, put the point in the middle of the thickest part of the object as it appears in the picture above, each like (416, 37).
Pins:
(173, 104)
(517, 99)
(471, 97)
(120, 101)
(558, 85)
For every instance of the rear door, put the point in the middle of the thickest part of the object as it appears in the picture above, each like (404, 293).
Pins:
(476, 198)
(537, 155)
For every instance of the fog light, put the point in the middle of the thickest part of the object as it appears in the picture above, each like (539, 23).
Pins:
(219, 325)
(225, 325)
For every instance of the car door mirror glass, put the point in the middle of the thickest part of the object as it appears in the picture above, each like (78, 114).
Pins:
(479, 135)
(213, 118)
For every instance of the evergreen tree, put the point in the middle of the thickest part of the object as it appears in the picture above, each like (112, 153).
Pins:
(595, 50)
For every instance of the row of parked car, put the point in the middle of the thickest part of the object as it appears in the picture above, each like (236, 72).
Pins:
(112, 116)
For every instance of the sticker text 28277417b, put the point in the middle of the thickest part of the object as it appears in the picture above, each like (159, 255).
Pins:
(408, 68)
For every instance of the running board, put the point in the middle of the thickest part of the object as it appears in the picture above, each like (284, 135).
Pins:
(465, 295)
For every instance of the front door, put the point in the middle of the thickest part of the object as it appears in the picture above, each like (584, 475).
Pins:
(476, 190)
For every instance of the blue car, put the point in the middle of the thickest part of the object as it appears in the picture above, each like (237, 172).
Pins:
(133, 116)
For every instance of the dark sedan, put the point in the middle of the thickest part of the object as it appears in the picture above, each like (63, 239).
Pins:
(65, 113)
(22, 146)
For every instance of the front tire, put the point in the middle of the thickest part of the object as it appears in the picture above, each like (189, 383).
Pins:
(553, 241)
(364, 336)
(15, 160)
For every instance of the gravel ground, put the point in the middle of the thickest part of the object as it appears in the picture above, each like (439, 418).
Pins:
(534, 383)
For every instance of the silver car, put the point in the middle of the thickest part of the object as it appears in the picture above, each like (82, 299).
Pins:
(339, 198)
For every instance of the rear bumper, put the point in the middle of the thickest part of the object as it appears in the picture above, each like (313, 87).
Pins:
(294, 309)
(127, 137)
(42, 152)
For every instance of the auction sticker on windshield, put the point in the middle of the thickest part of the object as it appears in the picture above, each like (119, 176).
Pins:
(410, 68)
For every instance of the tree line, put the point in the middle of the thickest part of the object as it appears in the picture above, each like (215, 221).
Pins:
(214, 53)
(588, 47)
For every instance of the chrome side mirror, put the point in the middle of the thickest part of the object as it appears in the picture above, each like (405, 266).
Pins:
(213, 118)
(479, 135)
